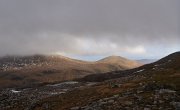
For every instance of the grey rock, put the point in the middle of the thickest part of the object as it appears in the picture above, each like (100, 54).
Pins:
(111, 101)
(116, 96)
(75, 108)
(176, 105)
(147, 109)
(128, 103)
(102, 103)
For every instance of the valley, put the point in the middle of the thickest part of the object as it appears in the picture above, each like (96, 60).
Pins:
(149, 87)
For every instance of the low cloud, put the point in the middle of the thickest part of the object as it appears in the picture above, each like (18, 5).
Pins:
(136, 50)
(132, 28)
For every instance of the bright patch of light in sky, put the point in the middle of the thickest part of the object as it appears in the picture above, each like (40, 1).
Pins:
(136, 50)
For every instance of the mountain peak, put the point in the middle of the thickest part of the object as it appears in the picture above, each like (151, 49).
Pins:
(121, 61)
(113, 57)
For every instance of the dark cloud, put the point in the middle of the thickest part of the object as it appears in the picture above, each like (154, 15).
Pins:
(88, 27)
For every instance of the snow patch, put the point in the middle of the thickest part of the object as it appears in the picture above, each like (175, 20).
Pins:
(166, 91)
(156, 65)
(55, 93)
(139, 71)
(169, 60)
(65, 83)
(91, 83)
(14, 91)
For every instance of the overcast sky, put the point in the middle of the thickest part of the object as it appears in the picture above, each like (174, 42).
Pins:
(90, 29)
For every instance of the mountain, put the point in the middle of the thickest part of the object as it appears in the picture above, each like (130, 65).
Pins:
(168, 64)
(146, 61)
(120, 61)
(149, 87)
(154, 86)
(39, 69)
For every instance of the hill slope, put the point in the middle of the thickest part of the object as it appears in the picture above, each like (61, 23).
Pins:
(119, 61)
(149, 87)
(168, 63)
(153, 86)
(30, 70)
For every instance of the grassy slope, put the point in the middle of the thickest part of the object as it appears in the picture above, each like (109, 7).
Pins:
(166, 75)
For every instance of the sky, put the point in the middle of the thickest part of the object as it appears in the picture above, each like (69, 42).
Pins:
(90, 29)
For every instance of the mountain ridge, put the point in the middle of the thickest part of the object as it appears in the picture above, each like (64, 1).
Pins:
(169, 62)
(46, 69)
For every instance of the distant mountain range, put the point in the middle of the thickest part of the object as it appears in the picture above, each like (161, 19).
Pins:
(146, 61)
(39, 69)
(168, 64)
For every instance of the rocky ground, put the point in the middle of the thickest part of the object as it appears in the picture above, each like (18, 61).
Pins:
(126, 93)
(12, 98)
(146, 89)
(145, 97)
